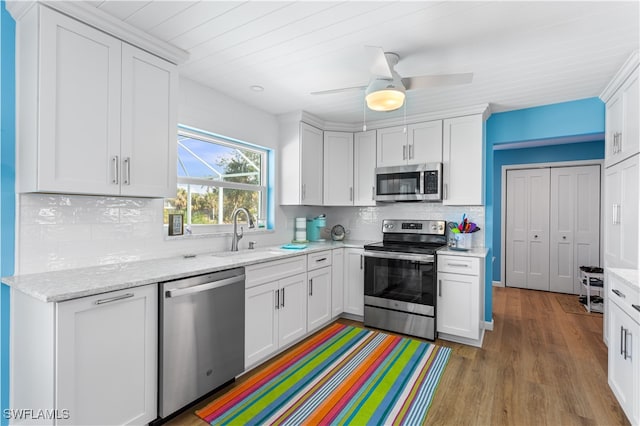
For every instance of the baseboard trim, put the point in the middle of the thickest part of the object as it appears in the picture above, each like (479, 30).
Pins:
(498, 283)
(488, 325)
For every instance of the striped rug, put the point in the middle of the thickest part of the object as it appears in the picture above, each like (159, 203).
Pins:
(342, 375)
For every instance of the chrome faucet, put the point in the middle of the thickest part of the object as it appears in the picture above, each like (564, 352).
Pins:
(237, 237)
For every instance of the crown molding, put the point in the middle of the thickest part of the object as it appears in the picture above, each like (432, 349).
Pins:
(315, 121)
(103, 21)
(630, 65)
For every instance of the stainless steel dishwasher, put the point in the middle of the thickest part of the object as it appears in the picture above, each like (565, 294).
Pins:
(201, 336)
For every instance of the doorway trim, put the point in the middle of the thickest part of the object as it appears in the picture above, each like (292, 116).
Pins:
(503, 208)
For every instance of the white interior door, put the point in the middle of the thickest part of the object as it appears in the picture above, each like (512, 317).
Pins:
(527, 229)
(574, 225)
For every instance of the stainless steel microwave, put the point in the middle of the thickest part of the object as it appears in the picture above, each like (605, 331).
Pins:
(417, 182)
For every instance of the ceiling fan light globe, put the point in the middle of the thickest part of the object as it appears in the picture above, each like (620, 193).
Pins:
(385, 100)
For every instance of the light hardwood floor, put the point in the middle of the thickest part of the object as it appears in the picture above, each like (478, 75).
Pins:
(539, 366)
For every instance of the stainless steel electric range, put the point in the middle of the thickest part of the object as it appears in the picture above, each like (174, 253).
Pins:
(400, 277)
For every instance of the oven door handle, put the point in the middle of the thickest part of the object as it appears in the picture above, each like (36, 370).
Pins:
(421, 258)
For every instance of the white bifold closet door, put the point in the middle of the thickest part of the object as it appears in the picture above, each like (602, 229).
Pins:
(574, 225)
(552, 226)
(527, 229)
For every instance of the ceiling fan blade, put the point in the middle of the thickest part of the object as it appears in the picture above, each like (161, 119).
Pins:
(426, 81)
(380, 66)
(344, 89)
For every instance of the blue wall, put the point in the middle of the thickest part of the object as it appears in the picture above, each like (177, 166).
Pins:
(546, 154)
(7, 191)
(548, 128)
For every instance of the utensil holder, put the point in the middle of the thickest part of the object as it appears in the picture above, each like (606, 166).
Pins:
(464, 240)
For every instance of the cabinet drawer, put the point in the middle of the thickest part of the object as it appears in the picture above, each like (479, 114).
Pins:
(273, 271)
(624, 295)
(459, 265)
(318, 260)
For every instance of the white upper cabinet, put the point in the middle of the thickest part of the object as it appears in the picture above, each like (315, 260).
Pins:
(462, 165)
(301, 164)
(622, 99)
(338, 169)
(413, 144)
(364, 168)
(96, 116)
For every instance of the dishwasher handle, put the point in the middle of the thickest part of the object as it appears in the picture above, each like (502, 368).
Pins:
(204, 287)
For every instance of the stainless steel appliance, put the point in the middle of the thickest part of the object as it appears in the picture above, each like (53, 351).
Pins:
(400, 277)
(417, 182)
(201, 336)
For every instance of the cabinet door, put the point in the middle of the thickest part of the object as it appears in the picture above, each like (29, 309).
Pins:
(79, 107)
(106, 357)
(630, 139)
(458, 305)
(354, 281)
(622, 340)
(364, 168)
(149, 125)
(424, 144)
(261, 326)
(319, 298)
(391, 146)
(337, 282)
(338, 169)
(311, 167)
(621, 214)
(462, 165)
(292, 314)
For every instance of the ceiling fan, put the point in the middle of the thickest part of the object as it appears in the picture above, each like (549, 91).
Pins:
(386, 89)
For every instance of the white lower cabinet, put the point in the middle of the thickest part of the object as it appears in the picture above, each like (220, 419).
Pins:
(97, 364)
(275, 316)
(354, 281)
(460, 290)
(624, 345)
(319, 298)
(337, 282)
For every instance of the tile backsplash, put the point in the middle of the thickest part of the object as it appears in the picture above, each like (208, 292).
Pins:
(57, 232)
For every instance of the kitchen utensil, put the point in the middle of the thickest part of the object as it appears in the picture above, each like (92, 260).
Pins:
(337, 233)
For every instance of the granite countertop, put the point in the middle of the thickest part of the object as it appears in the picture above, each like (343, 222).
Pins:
(69, 284)
(480, 252)
(630, 276)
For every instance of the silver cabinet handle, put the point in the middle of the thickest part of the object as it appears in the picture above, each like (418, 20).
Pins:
(204, 287)
(278, 299)
(114, 162)
(361, 256)
(464, 265)
(619, 293)
(126, 170)
(446, 192)
(304, 191)
(404, 152)
(113, 299)
(636, 307)
(439, 288)
(311, 287)
(373, 192)
(351, 194)
(282, 297)
(321, 260)
(615, 219)
(411, 151)
(621, 334)
(626, 346)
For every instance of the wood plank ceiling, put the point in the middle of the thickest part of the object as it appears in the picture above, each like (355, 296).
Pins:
(522, 54)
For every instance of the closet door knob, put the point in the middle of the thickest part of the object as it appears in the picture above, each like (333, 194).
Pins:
(564, 237)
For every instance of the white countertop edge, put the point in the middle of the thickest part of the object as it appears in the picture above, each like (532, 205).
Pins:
(480, 252)
(58, 286)
(630, 276)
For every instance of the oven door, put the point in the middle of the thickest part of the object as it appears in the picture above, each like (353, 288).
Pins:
(400, 281)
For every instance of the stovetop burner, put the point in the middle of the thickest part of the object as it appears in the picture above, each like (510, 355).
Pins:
(411, 236)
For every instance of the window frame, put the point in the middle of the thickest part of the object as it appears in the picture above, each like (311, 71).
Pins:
(262, 189)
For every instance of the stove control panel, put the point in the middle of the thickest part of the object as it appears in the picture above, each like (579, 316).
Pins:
(436, 227)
